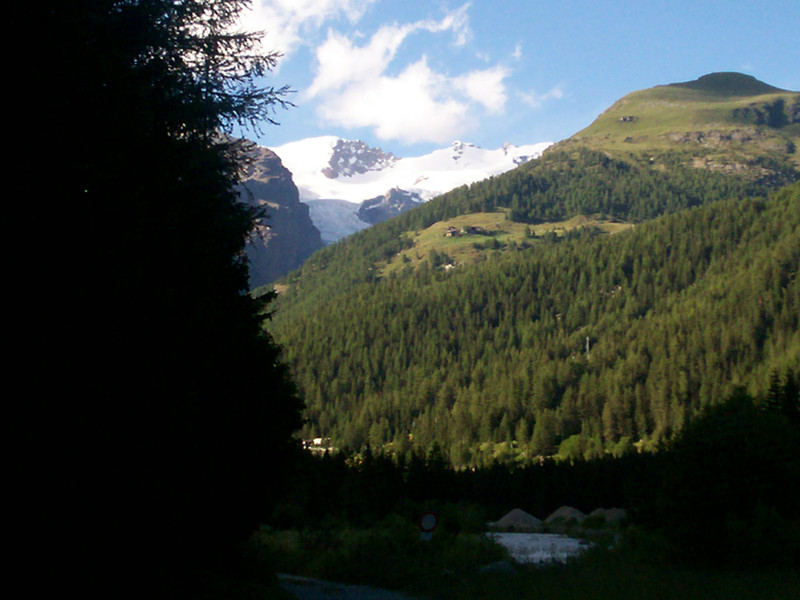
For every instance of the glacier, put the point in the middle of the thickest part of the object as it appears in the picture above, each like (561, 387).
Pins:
(331, 172)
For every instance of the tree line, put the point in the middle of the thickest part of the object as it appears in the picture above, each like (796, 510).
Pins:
(719, 494)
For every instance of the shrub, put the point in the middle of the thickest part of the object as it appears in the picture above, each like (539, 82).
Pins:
(724, 493)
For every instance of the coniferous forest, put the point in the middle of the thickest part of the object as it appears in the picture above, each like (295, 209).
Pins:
(655, 368)
(576, 345)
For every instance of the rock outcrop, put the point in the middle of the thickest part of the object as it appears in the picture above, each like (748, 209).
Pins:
(285, 236)
(391, 204)
(351, 157)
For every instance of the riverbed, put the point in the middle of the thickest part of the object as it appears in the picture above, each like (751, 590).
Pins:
(540, 548)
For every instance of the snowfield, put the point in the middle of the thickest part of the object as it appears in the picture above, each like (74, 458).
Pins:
(335, 219)
(427, 176)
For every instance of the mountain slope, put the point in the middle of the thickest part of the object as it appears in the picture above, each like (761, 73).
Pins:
(614, 339)
(392, 203)
(331, 168)
(729, 85)
(335, 219)
(502, 320)
(328, 170)
(722, 121)
(556, 187)
(286, 236)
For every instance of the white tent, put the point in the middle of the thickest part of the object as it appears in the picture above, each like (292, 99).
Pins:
(611, 515)
(518, 520)
(565, 514)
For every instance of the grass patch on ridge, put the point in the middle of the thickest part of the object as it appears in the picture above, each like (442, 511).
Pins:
(491, 231)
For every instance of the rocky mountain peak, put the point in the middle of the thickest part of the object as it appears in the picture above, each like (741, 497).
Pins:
(459, 147)
(391, 204)
(351, 157)
(285, 237)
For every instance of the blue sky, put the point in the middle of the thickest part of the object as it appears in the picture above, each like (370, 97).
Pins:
(412, 76)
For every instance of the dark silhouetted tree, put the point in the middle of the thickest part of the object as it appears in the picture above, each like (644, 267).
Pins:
(783, 396)
(181, 410)
(724, 498)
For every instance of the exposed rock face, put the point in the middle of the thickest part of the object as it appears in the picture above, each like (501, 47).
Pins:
(285, 237)
(391, 204)
(351, 157)
(716, 138)
(458, 149)
(776, 113)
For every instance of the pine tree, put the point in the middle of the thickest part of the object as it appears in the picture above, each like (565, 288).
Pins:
(181, 410)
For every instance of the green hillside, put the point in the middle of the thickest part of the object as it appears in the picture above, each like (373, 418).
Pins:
(729, 85)
(549, 196)
(492, 360)
(586, 303)
(723, 121)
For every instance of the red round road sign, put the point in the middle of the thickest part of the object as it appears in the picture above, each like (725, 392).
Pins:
(428, 522)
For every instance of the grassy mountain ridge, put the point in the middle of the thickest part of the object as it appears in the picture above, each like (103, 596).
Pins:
(533, 331)
(723, 121)
(729, 84)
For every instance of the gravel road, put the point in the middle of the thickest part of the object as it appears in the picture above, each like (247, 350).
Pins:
(305, 588)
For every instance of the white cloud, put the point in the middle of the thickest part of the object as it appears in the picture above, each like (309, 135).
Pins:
(339, 62)
(286, 21)
(354, 87)
(486, 87)
(535, 100)
(517, 54)
(412, 107)
(458, 22)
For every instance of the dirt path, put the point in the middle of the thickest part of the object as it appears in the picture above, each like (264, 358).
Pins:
(305, 588)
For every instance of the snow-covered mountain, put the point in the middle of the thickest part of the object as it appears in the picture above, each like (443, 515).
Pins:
(391, 204)
(330, 168)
